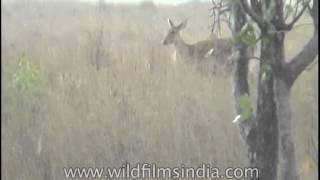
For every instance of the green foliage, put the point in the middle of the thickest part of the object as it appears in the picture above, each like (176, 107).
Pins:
(265, 68)
(27, 75)
(245, 106)
(247, 35)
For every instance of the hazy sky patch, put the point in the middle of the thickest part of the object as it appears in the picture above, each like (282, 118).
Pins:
(155, 1)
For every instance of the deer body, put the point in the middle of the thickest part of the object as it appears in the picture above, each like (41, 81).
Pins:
(205, 54)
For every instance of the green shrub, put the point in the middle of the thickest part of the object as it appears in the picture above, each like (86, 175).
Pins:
(27, 75)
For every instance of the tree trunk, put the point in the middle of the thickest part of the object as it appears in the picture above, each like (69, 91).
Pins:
(272, 119)
(240, 83)
(261, 132)
(240, 86)
(264, 134)
(288, 163)
(288, 167)
(286, 76)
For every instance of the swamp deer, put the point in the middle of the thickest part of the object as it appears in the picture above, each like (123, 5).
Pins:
(206, 54)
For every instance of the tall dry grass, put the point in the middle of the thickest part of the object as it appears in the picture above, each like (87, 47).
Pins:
(137, 107)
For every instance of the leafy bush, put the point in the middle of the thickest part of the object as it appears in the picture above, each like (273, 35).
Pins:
(27, 75)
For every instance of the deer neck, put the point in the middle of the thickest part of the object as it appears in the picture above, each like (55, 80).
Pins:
(180, 44)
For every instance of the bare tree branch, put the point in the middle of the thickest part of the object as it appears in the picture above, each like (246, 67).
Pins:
(305, 57)
(315, 14)
(294, 27)
(224, 10)
(311, 65)
(287, 13)
(218, 10)
(256, 6)
(258, 19)
(309, 52)
(297, 17)
(279, 9)
(309, 8)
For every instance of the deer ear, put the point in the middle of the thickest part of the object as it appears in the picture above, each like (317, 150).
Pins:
(170, 23)
(183, 24)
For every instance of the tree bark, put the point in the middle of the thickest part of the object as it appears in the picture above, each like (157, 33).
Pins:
(261, 132)
(263, 137)
(288, 160)
(289, 73)
(240, 86)
(272, 120)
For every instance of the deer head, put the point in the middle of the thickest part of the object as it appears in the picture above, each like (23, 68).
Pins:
(174, 32)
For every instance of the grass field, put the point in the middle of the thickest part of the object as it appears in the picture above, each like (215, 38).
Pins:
(59, 110)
